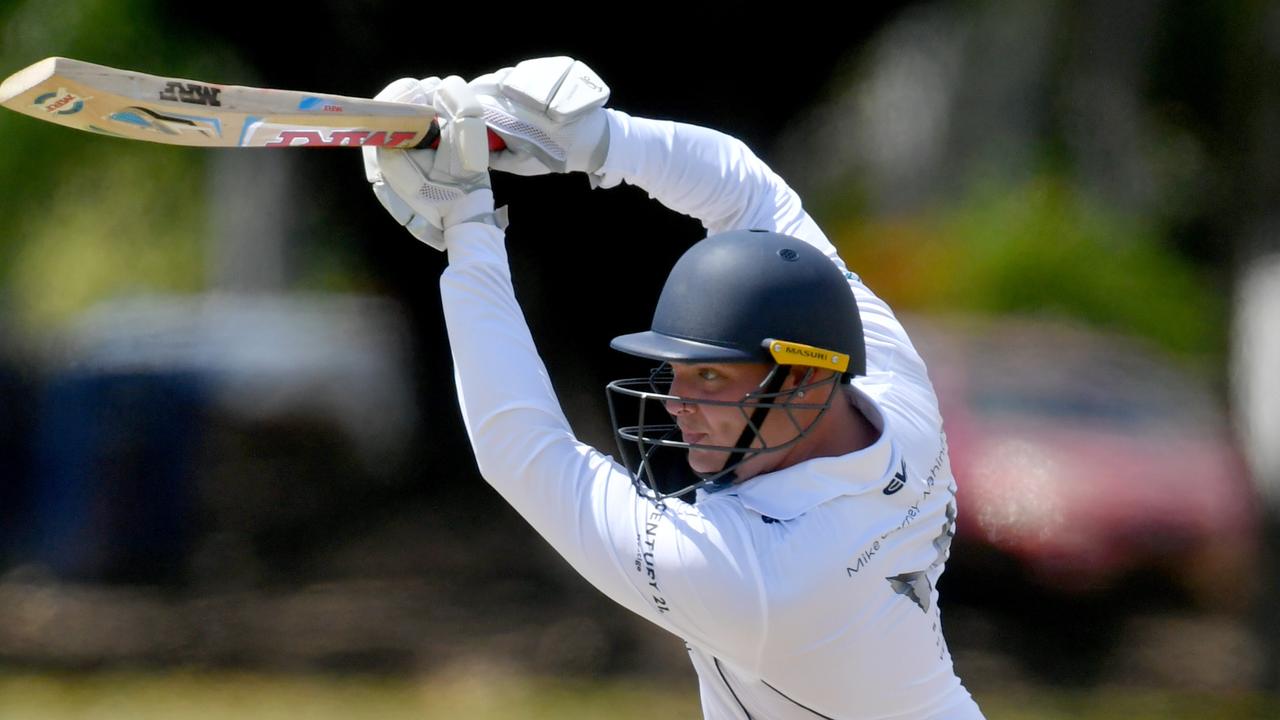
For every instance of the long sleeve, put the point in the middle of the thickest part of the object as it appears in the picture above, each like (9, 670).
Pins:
(706, 175)
(674, 565)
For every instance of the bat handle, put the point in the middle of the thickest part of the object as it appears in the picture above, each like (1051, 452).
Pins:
(432, 140)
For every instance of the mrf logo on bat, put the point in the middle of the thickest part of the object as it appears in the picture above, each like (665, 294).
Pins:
(62, 102)
(192, 93)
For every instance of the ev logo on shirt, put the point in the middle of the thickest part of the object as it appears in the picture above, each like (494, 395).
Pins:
(898, 481)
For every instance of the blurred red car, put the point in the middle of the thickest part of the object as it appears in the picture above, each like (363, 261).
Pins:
(1086, 458)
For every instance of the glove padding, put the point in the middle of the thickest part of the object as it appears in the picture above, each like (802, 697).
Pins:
(428, 191)
(550, 112)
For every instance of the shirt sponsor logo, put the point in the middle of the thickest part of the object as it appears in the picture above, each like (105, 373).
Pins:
(644, 559)
(898, 482)
(865, 556)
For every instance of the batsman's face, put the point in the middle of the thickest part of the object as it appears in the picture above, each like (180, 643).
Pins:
(721, 425)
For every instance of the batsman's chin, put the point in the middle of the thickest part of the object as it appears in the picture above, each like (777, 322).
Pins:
(706, 461)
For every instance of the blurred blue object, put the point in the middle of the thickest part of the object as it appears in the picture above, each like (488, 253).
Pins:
(169, 417)
(114, 453)
(16, 419)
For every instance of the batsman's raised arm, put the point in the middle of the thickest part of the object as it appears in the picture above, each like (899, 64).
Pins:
(547, 112)
(824, 504)
(582, 502)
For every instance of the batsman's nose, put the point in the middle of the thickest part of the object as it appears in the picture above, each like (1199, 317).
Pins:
(678, 403)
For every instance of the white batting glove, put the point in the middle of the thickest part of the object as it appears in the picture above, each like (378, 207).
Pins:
(428, 191)
(550, 113)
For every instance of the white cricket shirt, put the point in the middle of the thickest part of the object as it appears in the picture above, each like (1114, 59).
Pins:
(804, 593)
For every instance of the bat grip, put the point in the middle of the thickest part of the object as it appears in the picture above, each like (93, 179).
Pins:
(432, 139)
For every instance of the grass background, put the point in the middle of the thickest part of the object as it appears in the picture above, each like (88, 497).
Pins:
(481, 693)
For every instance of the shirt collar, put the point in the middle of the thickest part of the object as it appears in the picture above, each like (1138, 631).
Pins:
(792, 491)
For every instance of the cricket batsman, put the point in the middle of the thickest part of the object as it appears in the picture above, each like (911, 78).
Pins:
(803, 576)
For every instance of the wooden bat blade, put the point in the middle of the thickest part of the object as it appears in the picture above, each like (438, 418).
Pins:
(177, 111)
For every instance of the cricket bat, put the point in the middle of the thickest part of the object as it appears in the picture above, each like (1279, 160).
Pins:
(127, 104)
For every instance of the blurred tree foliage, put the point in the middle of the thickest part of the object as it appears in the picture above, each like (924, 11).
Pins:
(1090, 160)
(1115, 124)
(1044, 248)
(87, 216)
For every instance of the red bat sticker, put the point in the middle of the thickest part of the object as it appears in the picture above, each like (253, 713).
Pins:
(340, 138)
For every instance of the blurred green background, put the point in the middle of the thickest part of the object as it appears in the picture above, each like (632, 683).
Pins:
(233, 481)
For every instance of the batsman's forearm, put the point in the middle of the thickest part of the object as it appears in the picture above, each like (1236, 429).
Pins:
(522, 441)
(671, 565)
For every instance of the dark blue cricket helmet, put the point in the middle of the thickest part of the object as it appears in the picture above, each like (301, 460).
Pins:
(740, 296)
